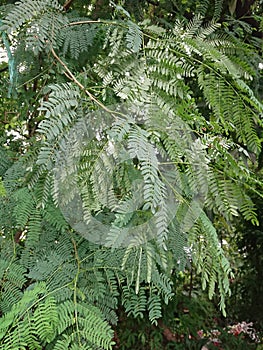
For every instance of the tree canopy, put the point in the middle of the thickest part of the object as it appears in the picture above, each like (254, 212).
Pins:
(131, 155)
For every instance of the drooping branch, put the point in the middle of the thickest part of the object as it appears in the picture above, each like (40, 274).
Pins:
(67, 4)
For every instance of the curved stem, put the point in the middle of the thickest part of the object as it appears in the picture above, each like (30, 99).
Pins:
(71, 76)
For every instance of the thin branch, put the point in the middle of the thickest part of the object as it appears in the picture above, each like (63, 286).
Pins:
(71, 76)
(82, 22)
(75, 289)
(67, 4)
(191, 283)
(99, 21)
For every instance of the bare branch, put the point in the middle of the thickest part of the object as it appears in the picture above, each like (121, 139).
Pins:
(67, 4)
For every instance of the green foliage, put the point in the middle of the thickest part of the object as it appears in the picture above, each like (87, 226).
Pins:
(37, 320)
(75, 40)
(103, 206)
(246, 293)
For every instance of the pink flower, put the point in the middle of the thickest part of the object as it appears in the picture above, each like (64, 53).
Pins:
(200, 333)
(215, 332)
(245, 328)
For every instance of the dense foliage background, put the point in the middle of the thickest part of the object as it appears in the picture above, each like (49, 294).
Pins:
(178, 84)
